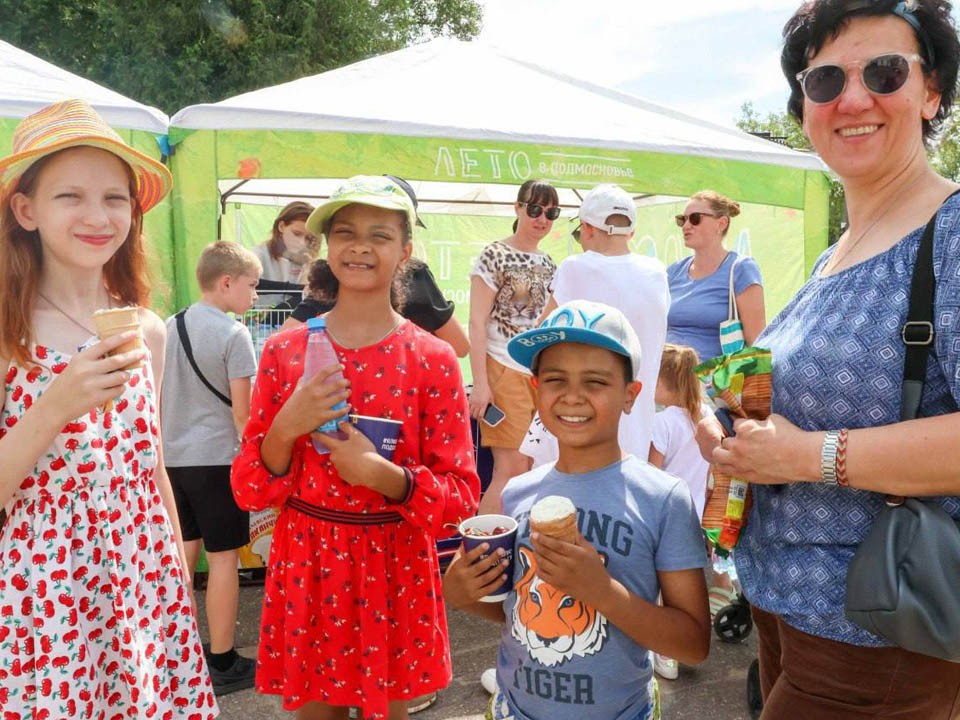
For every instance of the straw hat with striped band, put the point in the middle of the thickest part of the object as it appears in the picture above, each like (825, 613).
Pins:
(73, 123)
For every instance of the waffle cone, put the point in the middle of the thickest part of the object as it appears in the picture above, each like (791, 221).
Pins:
(115, 321)
(564, 528)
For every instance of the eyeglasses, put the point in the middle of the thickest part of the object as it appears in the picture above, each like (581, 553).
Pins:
(882, 75)
(576, 232)
(535, 210)
(694, 218)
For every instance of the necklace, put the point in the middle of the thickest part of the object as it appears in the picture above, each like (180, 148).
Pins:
(67, 315)
(375, 342)
(700, 277)
(848, 248)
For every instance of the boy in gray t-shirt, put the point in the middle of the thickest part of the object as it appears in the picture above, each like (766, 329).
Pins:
(201, 421)
(582, 617)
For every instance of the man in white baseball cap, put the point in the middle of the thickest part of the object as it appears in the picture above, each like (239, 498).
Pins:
(609, 272)
(610, 210)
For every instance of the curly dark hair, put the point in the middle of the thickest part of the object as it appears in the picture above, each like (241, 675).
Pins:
(819, 21)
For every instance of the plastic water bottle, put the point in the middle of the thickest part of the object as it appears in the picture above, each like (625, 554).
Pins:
(319, 355)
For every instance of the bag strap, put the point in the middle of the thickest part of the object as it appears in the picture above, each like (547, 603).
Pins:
(188, 349)
(917, 332)
(733, 313)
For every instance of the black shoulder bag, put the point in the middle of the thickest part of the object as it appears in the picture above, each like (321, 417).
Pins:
(188, 349)
(903, 583)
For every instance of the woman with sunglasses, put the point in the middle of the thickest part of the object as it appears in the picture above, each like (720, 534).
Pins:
(870, 82)
(700, 283)
(509, 287)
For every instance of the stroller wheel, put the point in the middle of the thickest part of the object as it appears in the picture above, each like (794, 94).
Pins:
(733, 623)
(754, 698)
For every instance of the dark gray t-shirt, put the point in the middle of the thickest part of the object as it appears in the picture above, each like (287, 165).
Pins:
(197, 426)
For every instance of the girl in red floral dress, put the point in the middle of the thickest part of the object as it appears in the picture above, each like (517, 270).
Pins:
(95, 614)
(353, 612)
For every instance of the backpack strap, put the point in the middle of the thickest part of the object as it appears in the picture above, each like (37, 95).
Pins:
(188, 349)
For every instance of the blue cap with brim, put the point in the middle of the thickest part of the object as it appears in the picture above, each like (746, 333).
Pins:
(584, 322)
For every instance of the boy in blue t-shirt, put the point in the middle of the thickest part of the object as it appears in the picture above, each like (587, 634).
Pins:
(582, 617)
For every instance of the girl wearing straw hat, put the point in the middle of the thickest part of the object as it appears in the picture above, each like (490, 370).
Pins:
(95, 609)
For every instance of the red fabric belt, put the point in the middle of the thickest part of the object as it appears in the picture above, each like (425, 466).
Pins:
(344, 518)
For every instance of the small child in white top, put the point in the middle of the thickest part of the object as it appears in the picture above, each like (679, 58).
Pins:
(674, 446)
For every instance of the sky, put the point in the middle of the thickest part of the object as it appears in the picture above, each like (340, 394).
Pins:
(702, 57)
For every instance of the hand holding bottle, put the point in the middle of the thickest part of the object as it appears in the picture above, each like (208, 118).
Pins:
(317, 401)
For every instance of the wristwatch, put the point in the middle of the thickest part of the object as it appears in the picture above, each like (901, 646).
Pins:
(828, 457)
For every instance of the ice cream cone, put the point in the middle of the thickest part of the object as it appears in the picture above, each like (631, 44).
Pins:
(115, 321)
(555, 516)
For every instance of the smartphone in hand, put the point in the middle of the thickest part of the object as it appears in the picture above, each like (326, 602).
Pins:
(726, 419)
(493, 415)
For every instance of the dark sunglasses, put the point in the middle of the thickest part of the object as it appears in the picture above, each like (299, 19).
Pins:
(576, 232)
(535, 210)
(694, 218)
(882, 75)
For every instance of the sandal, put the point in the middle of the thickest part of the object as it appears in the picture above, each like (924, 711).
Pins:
(719, 598)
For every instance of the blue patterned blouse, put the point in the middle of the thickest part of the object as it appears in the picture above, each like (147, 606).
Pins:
(838, 362)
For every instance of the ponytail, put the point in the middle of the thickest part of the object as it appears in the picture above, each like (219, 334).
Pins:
(676, 371)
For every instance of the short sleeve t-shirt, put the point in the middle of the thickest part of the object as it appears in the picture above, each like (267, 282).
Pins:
(838, 363)
(198, 428)
(637, 286)
(560, 658)
(674, 437)
(698, 306)
(521, 281)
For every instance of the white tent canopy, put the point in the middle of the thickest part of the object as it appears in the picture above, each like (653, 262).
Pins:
(454, 89)
(29, 83)
(466, 125)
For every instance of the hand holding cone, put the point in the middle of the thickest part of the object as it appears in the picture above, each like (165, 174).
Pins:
(555, 516)
(114, 321)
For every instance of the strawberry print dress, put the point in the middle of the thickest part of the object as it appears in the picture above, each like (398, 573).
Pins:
(353, 610)
(95, 621)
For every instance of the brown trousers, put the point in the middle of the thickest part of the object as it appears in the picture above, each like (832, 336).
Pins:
(804, 676)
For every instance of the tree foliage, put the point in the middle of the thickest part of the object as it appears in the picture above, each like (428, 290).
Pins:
(782, 127)
(944, 151)
(175, 53)
(945, 155)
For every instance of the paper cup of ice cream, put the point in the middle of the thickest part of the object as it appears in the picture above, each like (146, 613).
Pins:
(499, 531)
(556, 516)
(383, 433)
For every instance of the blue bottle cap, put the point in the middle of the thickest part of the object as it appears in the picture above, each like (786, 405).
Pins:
(317, 323)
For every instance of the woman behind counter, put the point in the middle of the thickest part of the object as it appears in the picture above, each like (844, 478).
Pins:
(289, 250)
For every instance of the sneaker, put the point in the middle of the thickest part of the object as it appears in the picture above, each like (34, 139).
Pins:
(667, 668)
(488, 678)
(238, 676)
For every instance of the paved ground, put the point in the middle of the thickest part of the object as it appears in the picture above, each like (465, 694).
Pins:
(715, 690)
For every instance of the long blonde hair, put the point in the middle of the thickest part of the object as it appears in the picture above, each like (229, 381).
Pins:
(676, 372)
